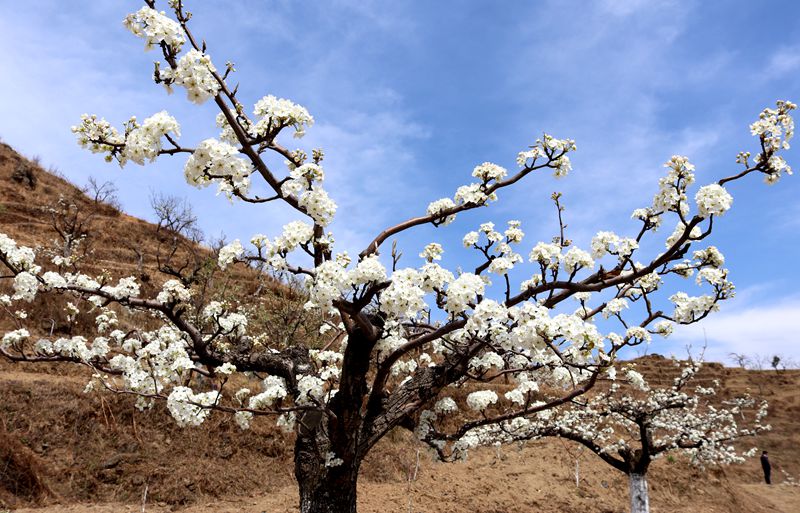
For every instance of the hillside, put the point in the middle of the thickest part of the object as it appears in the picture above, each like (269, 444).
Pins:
(82, 453)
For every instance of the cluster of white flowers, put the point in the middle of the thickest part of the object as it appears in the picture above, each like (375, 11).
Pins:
(445, 406)
(405, 296)
(487, 172)
(432, 251)
(369, 270)
(473, 194)
(638, 334)
(140, 142)
(277, 113)
(304, 184)
(576, 259)
(294, 234)
(463, 291)
(97, 135)
(242, 419)
(188, 408)
(144, 141)
(20, 257)
(229, 253)
(712, 275)
(711, 256)
(26, 285)
(680, 228)
(514, 233)
(435, 277)
(552, 146)
(331, 460)
(13, 338)
(234, 324)
(274, 389)
(155, 27)
(614, 307)
(713, 200)
(195, 72)
(687, 308)
(649, 216)
(664, 328)
(481, 399)
(530, 155)
(547, 255)
(125, 287)
(302, 178)
(106, 320)
(151, 362)
(310, 389)
(217, 161)
(435, 208)
(671, 195)
(505, 258)
(318, 205)
(173, 291)
(487, 360)
(522, 393)
(775, 128)
(610, 242)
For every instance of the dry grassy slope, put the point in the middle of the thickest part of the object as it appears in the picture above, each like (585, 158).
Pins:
(98, 454)
(98, 449)
(113, 240)
(22, 218)
(111, 232)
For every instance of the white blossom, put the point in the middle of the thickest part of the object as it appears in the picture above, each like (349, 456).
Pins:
(713, 200)
(481, 400)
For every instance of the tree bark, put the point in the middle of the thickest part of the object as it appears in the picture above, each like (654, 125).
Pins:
(328, 452)
(323, 489)
(640, 501)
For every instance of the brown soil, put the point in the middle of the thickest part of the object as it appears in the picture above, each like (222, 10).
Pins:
(99, 454)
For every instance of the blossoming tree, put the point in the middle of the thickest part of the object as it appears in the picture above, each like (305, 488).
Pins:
(631, 424)
(401, 340)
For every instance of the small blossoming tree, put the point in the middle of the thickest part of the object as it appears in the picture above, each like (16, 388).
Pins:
(401, 340)
(631, 424)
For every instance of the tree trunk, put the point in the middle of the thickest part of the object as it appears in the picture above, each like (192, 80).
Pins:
(640, 502)
(328, 494)
(324, 489)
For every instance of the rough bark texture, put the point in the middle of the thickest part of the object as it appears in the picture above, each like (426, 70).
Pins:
(334, 435)
(640, 502)
(323, 489)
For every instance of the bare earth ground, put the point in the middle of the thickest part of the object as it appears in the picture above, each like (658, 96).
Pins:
(538, 478)
(492, 485)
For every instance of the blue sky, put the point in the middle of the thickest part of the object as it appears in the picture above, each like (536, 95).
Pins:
(410, 96)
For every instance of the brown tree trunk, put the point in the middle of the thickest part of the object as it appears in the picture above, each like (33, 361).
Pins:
(324, 489)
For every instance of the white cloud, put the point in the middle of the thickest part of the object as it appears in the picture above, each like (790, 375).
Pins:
(784, 61)
(766, 329)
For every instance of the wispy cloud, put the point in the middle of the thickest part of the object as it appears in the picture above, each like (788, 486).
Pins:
(785, 60)
(766, 329)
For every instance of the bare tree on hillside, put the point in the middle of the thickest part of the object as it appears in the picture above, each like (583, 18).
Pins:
(102, 193)
(740, 359)
(72, 223)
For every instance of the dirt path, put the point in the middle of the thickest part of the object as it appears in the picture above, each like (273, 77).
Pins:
(783, 498)
(394, 498)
